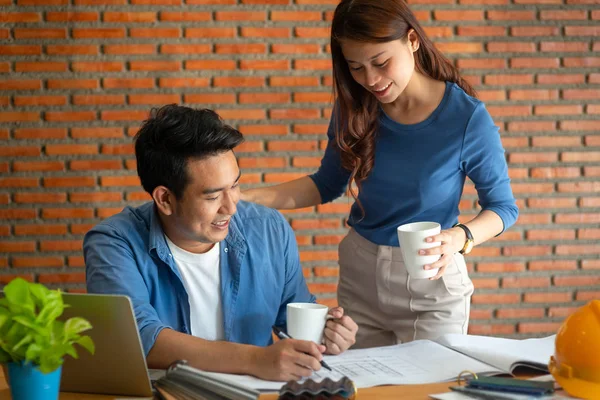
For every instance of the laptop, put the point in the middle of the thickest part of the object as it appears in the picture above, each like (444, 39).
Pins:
(118, 365)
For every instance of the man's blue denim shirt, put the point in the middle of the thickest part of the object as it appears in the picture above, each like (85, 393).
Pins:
(260, 272)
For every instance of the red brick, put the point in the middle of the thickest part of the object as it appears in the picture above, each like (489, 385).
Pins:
(12, 17)
(459, 47)
(154, 99)
(12, 182)
(562, 15)
(463, 15)
(210, 64)
(98, 33)
(525, 282)
(20, 50)
(534, 31)
(263, 129)
(292, 145)
(98, 99)
(81, 229)
(61, 245)
(35, 262)
(554, 79)
(210, 33)
(520, 313)
(283, 48)
(40, 229)
(555, 297)
(72, 84)
(95, 197)
(558, 109)
(19, 166)
(489, 298)
(563, 312)
(299, 113)
(254, 98)
(185, 48)
(231, 114)
(129, 17)
(17, 213)
(538, 327)
(309, 129)
(210, 98)
(17, 247)
(593, 31)
(551, 234)
(95, 66)
(534, 62)
(118, 149)
(564, 46)
(300, 224)
(532, 157)
(19, 116)
(94, 165)
(240, 48)
(4, 279)
(240, 16)
(306, 256)
(62, 278)
(119, 181)
(76, 181)
(118, 115)
(179, 16)
(491, 329)
(557, 172)
(128, 49)
(580, 280)
(590, 264)
(295, 16)
(238, 81)
(71, 16)
(264, 65)
(155, 33)
(96, 132)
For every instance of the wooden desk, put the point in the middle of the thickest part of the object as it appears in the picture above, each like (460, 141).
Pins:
(407, 392)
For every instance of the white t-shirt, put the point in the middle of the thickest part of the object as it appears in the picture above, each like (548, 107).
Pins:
(201, 275)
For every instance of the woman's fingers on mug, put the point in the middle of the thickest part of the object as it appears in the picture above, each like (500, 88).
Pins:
(439, 274)
(441, 263)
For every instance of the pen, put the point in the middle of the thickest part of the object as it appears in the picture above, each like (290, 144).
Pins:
(282, 335)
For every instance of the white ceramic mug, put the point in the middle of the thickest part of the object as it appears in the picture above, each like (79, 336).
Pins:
(412, 239)
(306, 321)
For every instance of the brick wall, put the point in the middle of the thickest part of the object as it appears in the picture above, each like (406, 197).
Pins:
(78, 76)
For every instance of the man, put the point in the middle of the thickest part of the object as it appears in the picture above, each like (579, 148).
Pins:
(208, 275)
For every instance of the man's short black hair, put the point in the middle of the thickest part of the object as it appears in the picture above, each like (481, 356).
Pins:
(174, 134)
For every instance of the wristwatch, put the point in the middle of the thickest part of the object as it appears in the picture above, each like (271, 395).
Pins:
(469, 242)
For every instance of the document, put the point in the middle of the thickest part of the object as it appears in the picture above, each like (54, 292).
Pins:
(424, 361)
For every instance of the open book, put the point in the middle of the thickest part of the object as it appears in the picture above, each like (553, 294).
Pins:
(508, 355)
(425, 361)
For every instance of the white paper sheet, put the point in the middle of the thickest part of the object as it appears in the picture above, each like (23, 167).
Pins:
(417, 362)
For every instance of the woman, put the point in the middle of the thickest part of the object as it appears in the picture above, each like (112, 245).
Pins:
(406, 130)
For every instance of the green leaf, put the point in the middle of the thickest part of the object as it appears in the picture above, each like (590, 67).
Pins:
(76, 325)
(51, 310)
(17, 293)
(33, 352)
(87, 343)
(26, 340)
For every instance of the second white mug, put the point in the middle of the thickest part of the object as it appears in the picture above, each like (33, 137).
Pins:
(306, 321)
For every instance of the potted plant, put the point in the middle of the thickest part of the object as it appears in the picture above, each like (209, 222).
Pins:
(33, 342)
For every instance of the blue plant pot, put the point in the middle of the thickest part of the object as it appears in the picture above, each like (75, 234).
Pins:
(28, 383)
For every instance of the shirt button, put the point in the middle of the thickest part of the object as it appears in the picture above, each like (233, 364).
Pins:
(226, 249)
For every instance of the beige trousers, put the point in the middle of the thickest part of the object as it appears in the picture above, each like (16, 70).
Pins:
(388, 306)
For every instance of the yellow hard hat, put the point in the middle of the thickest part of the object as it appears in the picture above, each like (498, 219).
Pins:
(575, 364)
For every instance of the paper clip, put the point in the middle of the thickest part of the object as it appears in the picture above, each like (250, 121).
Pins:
(460, 379)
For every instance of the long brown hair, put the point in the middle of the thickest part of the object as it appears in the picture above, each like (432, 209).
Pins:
(356, 117)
